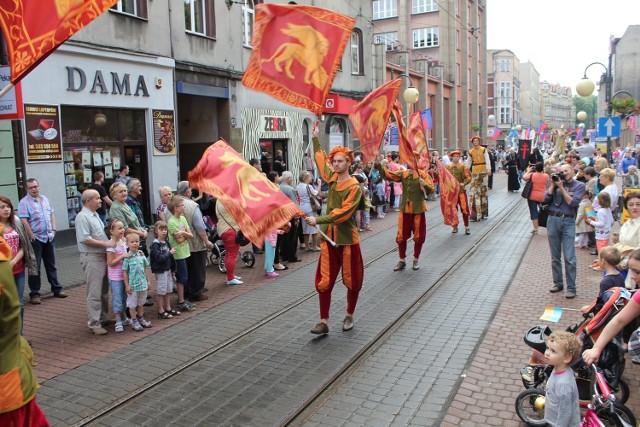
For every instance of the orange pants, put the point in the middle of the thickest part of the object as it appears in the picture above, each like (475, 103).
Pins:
(464, 208)
(407, 224)
(332, 259)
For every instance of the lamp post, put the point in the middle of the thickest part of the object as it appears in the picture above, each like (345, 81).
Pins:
(585, 87)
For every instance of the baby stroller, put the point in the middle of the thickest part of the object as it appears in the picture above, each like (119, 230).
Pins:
(536, 373)
(216, 256)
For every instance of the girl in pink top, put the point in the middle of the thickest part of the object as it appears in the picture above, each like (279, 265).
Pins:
(115, 256)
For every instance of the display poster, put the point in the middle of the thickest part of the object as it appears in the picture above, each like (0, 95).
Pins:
(42, 124)
(164, 139)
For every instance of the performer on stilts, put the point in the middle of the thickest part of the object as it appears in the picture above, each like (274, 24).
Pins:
(412, 219)
(338, 224)
(461, 172)
(479, 164)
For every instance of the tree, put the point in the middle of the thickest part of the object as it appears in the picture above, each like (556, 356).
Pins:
(588, 104)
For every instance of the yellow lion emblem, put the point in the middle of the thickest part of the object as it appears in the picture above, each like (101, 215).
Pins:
(309, 52)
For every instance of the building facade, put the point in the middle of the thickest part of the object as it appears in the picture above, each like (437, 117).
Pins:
(626, 68)
(556, 106)
(529, 96)
(151, 85)
(504, 100)
(443, 43)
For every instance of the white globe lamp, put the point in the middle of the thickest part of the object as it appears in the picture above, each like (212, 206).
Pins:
(585, 87)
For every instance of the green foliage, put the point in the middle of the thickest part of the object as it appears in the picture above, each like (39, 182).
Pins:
(588, 104)
(474, 127)
(624, 106)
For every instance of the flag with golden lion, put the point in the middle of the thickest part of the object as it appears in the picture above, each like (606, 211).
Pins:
(296, 53)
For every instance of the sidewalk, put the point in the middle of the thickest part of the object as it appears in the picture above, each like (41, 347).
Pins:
(57, 328)
(487, 393)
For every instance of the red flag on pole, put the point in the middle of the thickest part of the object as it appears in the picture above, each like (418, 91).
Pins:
(296, 53)
(496, 134)
(371, 115)
(34, 29)
(449, 189)
(404, 146)
(255, 203)
(419, 141)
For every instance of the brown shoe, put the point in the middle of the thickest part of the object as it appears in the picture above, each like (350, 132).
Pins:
(60, 294)
(35, 300)
(416, 264)
(320, 329)
(347, 323)
(200, 297)
(400, 266)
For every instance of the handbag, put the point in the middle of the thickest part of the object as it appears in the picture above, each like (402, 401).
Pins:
(528, 186)
(241, 239)
(543, 214)
(315, 204)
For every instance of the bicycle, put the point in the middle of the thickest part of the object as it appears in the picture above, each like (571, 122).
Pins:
(604, 410)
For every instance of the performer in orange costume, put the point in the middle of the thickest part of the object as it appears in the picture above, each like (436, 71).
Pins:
(413, 207)
(479, 164)
(462, 174)
(338, 224)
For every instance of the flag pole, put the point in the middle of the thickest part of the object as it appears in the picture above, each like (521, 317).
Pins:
(6, 89)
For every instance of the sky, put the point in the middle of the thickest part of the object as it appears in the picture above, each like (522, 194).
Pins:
(560, 37)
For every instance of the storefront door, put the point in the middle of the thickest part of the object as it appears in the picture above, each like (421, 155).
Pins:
(273, 150)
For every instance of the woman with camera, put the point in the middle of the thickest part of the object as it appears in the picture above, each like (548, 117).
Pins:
(539, 181)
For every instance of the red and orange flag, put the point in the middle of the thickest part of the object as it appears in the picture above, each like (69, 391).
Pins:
(449, 189)
(34, 29)
(405, 150)
(418, 141)
(370, 117)
(296, 53)
(255, 203)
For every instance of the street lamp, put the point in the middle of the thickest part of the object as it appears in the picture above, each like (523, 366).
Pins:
(411, 94)
(585, 87)
(582, 116)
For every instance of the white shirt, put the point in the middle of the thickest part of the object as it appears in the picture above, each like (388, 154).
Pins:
(612, 189)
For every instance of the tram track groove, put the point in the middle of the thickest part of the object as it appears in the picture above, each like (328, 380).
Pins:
(377, 341)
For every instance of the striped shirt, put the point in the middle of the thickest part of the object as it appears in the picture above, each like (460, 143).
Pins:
(38, 213)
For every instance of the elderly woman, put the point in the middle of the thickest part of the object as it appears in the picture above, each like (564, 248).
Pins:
(607, 177)
(120, 210)
(165, 195)
(305, 192)
(631, 179)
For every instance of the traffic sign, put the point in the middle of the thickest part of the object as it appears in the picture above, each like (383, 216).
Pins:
(609, 126)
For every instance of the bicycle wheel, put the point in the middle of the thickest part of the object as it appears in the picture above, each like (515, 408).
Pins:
(248, 258)
(528, 410)
(221, 266)
(613, 420)
(623, 391)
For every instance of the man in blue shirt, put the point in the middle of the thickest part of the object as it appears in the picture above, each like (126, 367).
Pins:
(564, 196)
(36, 214)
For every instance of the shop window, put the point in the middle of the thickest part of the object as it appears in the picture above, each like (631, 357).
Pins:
(94, 140)
(136, 8)
(337, 134)
(199, 17)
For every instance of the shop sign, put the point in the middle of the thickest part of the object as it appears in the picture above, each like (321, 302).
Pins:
(274, 123)
(11, 103)
(116, 85)
(164, 139)
(42, 123)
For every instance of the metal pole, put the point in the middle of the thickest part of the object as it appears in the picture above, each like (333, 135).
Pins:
(607, 99)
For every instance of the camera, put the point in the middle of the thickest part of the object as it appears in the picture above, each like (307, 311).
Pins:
(557, 177)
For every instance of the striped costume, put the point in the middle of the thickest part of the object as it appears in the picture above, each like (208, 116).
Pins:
(338, 224)
(479, 164)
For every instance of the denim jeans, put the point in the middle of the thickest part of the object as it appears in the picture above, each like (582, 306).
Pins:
(44, 252)
(561, 233)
